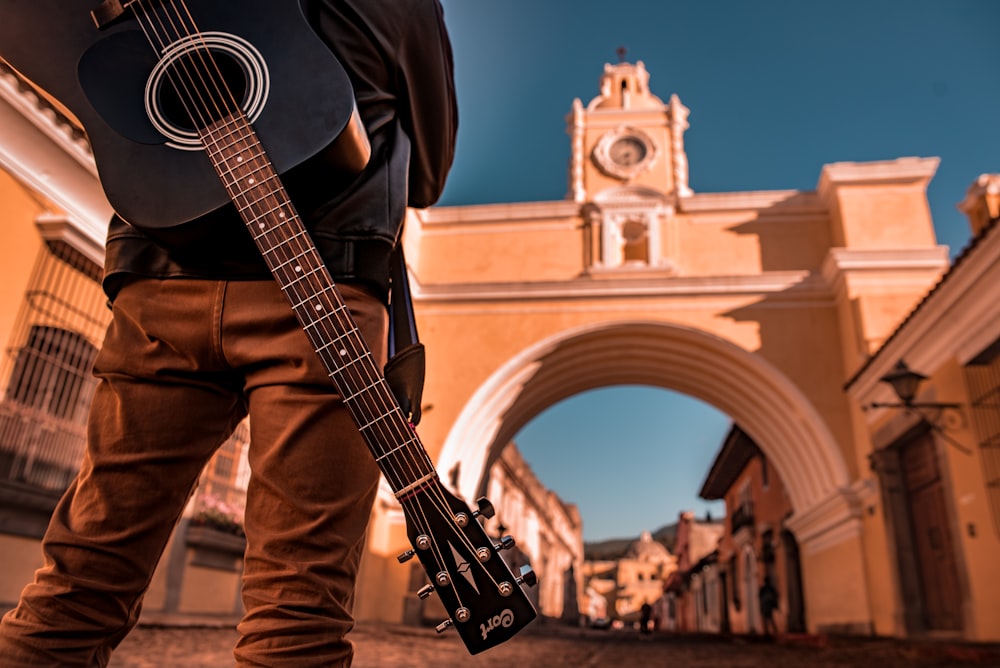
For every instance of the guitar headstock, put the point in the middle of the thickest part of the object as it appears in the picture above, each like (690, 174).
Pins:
(483, 597)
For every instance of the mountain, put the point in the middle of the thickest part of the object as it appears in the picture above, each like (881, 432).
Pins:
(614, 548)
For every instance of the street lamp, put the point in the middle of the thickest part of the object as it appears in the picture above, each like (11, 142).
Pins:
(904, 382)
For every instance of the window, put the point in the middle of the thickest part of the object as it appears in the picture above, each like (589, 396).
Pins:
(982, 376)
(48, 386)
(52, 373)
(629, 229)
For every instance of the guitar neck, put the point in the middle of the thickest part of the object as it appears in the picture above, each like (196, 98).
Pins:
(255, 188)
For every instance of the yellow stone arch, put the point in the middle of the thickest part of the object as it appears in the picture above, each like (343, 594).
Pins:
(758, 397)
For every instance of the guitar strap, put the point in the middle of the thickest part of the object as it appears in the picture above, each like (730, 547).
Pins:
(405, 370)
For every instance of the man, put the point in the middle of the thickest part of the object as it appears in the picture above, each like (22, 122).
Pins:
(201, 336)
(768, 599)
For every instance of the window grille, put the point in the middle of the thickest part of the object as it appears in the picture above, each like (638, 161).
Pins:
(45, 375)
(983, 379)
(46, 384)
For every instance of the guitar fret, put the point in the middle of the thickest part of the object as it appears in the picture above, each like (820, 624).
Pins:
(284, 242)
(265, 195)
(223, 149)
(312, 298)
(273, 243)
(284, 212)
(350, 334)
(235, 124)
(301, 276)
(236, 155)
(372, 423)
(348, 397)
(365, 358)
(243, 150)
(321, 311)
(410, 441)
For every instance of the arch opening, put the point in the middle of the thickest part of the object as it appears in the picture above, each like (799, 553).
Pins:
(758, 397)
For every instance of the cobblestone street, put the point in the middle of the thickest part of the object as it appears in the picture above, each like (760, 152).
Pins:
(554, 646)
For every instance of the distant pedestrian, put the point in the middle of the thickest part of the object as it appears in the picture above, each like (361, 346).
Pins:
(768, 596)
(645, 617)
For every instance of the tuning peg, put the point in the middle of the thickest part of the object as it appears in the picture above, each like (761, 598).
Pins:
(486, 509)
(505, 543)
(444, 626)
(425, 591)
(422, 542)
(528, 576)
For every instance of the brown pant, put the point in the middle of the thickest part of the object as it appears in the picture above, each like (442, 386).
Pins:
(183, 362)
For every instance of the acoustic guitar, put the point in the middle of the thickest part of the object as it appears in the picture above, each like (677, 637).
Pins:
(192, 105)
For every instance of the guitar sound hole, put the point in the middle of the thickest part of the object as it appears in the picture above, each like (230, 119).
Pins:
(201, 87)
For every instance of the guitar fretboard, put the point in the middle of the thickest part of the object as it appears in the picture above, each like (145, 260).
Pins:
(256, 189)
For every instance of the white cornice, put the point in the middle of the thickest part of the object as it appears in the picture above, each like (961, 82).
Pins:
(878, 262)
(830, 522)
(960, 313)
(781, 285)
(794, 204)
(901, 170)
(789, 202)
(497, 213)
(43, 149)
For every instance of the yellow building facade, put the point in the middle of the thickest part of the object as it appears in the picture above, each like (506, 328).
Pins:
(764, 304)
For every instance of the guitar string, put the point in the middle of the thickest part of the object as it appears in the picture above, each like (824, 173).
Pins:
(407, 432)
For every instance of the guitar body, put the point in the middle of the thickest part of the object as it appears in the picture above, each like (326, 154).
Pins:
(148, 155)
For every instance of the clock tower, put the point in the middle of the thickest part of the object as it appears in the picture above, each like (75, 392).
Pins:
(629, 170)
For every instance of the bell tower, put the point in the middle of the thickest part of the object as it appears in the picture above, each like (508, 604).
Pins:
(628, 169)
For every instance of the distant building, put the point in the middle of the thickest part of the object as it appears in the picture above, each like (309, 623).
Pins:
(755, 543)
(687, 600)
(628, 582)
(548, 531)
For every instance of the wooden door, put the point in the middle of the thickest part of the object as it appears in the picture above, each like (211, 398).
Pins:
(932, 536)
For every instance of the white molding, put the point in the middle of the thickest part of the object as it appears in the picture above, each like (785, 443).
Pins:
(805, 202)
(781, 285)
(900, 170)
(44, 150)
(497, 213)
(959, 313)
(830, 522)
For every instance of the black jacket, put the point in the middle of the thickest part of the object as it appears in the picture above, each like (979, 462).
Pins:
(399, 60)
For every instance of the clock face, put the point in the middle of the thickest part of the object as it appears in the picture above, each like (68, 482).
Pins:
(627, 151)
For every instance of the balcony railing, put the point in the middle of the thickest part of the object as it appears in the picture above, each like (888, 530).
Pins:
(741, 517)
(37, 448)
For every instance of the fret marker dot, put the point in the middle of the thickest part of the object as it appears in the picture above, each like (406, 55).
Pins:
(298, 269)
(251, 180)
(281, 215)
(261, 225)
(342, 352)
(239, 159)
(319, 307)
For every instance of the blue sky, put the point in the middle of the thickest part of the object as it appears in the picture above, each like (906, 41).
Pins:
(776, 89)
